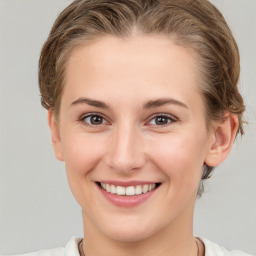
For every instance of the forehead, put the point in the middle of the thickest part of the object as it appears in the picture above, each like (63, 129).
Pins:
(147, 65)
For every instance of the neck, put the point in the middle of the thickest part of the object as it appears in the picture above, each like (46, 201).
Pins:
(188, 248)
(175, 239)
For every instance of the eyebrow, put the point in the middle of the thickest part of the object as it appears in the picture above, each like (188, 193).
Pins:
(163, 101)
(94, 103)
(148, 105)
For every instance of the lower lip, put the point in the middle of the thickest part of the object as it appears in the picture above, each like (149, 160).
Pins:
(127, 201)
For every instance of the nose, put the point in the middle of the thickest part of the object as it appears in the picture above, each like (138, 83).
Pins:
(125, 152)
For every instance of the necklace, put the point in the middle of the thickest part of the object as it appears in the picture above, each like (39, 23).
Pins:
(198, 250)
(80, 248)
(81, 251)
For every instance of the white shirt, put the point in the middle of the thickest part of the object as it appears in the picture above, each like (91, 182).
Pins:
(71, 249)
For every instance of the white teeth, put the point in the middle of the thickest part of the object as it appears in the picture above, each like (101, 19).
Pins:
(152, 186)
(138, 190)
(145, 189)
(108, 188)
(120, 190)
(113, 189)
(128, 191)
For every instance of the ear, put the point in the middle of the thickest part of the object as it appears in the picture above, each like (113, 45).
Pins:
(55, 132)
(224, 133)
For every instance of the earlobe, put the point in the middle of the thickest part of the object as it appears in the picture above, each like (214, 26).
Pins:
(224, 135)
(55, 133)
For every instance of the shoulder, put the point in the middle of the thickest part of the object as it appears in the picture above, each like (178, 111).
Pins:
(50, 252)
(71, 249)
(213, 249)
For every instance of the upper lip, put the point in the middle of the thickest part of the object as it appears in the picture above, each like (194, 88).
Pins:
(127, 183)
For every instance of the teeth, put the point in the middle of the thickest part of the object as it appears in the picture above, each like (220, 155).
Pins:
(113, 189)
(120, 190)
(108, 188)
(128, 191)
(152, 186)
(138, 190)
(145, 189)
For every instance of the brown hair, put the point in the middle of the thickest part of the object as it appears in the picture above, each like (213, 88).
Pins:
(196, 24)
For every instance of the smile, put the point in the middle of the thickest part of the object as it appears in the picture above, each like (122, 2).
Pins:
(127, 194)
(128, 191)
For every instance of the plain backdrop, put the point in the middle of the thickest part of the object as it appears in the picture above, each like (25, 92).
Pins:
(37, 210)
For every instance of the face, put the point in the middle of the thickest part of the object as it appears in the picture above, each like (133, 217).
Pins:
(133, 135)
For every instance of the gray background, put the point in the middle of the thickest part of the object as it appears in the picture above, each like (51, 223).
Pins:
(37, 210)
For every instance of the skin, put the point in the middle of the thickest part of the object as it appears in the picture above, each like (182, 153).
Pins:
(129, 145)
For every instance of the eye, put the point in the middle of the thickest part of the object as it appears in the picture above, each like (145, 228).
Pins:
(93, 120)
(162, 120)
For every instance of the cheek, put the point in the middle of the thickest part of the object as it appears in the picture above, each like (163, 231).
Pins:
(180, 157)
(81, 152)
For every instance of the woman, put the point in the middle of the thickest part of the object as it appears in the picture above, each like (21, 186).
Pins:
(142, 104)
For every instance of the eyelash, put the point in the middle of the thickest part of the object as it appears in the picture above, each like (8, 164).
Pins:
(170, 118)
(91, 115)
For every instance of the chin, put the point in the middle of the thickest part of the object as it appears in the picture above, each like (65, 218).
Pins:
(128, 236)
(128, 231)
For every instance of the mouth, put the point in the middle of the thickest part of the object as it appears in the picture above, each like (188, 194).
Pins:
(129, 191)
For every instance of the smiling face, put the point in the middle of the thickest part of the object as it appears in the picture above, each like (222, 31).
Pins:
(132, 115)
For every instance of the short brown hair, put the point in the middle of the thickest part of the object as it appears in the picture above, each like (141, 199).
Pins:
(195, 24)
